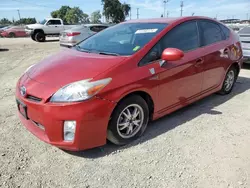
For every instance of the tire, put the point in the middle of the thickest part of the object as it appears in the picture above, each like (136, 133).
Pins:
(12, 35)
(33, 37)
(229, 81)
(129, 129)
(40, 37)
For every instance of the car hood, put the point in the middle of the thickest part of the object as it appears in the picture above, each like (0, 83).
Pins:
(37, 25)
(70, 66)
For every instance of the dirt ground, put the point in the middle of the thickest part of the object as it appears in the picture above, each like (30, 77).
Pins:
(205, 145)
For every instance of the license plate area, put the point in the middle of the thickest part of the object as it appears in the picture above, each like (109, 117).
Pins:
(22, 108)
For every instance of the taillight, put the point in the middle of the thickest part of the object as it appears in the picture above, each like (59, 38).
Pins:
(73, 34)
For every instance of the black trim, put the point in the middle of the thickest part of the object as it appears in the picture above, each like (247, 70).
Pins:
(22, 105)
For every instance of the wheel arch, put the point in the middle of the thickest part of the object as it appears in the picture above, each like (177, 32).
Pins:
(145, 95)
(38, 31)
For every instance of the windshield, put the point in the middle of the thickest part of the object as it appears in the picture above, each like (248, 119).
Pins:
(122, 39)
(43, 22)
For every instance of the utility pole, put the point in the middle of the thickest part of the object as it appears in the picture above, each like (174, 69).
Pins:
(130, 14)
(137, 13)
(167, 13)
(19, 14)
(182, 5)
(165, 4)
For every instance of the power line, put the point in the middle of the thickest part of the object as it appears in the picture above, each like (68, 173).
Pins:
(33, 4)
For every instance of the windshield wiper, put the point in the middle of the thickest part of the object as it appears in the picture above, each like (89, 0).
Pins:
(108, 53)
(81, 49)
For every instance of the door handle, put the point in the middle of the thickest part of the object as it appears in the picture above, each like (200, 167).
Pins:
(55, 26)
(199, 62)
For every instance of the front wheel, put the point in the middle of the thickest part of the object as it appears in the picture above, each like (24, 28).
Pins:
(40, 37)
(229, 81)
(129, 120)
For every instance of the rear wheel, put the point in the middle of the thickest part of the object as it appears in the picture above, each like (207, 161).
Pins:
(229, 81)
(129, 120)
(40, 37)
(12, 35)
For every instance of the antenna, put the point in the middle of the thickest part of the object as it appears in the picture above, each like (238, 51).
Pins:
(182, 5)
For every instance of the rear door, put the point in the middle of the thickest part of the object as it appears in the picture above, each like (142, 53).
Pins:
(214, 50)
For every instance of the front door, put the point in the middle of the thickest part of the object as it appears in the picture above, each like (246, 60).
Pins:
(178, 81)
(181, 81)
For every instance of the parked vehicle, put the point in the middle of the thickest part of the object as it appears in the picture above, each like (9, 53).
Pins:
(69, 38)
(48, 27)
(14, 31)
(245, 42)
(3, 28)
(112, 84)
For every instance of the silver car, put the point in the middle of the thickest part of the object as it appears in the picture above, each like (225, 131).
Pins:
(72, 36)
(245, 42)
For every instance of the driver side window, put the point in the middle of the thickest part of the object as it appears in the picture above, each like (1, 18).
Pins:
(184, 37)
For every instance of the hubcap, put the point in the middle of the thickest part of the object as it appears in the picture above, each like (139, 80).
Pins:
(229, 80)
(130, 121)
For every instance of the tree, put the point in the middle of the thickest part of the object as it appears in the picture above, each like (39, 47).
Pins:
(95, 17)
(5, 21)
(115, 11)
(71, 15)
(61, 13)
(26, 21)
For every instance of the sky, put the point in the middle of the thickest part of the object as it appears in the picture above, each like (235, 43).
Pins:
(41, 9)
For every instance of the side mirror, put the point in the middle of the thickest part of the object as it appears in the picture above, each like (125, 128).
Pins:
(172, 54)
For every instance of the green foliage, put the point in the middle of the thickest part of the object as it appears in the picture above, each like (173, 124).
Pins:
(115, 11)
(24, 21)
(5, 21)
(95, 17)
(71, 15)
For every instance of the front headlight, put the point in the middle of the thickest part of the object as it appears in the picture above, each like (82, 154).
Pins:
(79, 91)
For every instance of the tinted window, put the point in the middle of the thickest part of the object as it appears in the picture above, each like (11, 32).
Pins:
(226, 31)
(184, 37)
(54, 22)
(122, 39)
(210, 32)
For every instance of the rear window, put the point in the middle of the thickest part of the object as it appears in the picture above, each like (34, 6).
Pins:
(226, 31)
(245, 30)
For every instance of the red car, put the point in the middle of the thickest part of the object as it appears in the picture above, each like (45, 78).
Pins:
(109, 86)
(15, 31)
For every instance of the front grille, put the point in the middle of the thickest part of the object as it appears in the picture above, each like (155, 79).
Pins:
(33, 98)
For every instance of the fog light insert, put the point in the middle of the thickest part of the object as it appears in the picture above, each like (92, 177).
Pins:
(69, 129)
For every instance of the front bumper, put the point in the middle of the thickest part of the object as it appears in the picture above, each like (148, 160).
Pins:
(91, 118)
(29, 32)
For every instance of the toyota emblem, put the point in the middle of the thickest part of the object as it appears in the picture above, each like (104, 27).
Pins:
(23, 91)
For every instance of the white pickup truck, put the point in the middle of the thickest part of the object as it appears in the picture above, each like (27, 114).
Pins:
(48, 27)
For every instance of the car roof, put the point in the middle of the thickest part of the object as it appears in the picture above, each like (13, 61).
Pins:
(89, 25)
(167, 20)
